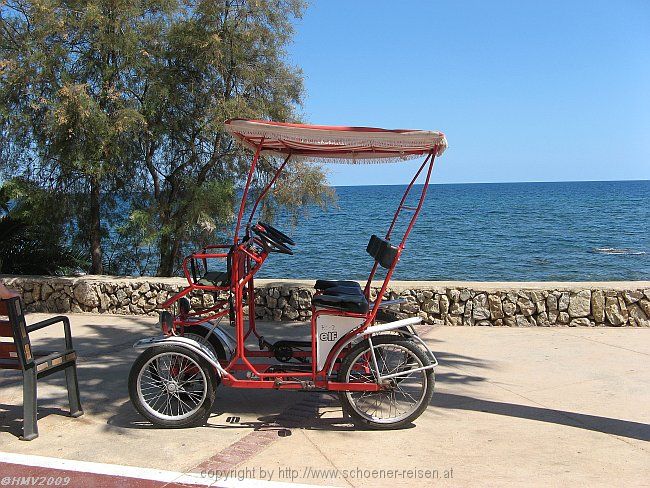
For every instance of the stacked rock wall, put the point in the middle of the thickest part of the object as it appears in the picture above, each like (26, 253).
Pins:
(449, 303)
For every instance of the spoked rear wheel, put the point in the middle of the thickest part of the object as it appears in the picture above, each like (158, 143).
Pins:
(172, 386)
(403, 398)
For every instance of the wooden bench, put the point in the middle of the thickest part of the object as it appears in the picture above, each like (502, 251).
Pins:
(17, 354)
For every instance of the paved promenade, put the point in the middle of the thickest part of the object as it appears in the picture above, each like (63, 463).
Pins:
(513, 406)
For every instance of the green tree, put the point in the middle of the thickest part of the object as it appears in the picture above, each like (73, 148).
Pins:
(122, 103)
(63, 66)
(32, 232)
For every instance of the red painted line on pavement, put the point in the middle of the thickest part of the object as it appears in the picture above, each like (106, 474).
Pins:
(255, 442)
(21, 475)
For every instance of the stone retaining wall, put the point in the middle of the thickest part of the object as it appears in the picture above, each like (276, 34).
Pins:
(449, 303)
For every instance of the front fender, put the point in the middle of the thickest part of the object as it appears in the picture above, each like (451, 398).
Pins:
(227, 341)
(189, 344)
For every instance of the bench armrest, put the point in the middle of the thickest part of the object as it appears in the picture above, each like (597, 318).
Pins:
(54, 320)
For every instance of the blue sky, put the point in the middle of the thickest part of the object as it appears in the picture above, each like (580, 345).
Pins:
(524, 90)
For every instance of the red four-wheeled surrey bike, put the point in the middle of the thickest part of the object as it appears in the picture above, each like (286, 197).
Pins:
(383, 372)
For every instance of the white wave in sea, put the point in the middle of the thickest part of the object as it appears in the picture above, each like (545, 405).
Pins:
(613, 250)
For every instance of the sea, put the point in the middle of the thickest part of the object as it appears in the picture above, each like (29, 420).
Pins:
(568, 231)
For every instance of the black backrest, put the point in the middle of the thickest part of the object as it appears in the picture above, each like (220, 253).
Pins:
(8, 353)
(382, 250)
(22, 349)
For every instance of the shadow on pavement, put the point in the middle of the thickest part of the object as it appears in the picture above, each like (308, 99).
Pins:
(606, 425)
(11, 417)
(106, 357)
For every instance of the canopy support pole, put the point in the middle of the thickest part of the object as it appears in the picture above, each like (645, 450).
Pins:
(268, 187)
(406, 194)
(242, 206)
(430, 160)
(423, 195)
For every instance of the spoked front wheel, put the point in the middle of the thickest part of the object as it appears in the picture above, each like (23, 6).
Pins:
(405, 394)
(172, 386)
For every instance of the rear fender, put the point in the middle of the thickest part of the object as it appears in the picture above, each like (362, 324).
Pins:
(400, 327)
(416, 338)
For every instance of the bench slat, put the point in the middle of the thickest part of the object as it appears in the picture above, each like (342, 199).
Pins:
(9, 364)
(5, 329)
(8, 351)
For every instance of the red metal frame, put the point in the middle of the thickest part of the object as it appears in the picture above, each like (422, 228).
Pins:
(247, 254)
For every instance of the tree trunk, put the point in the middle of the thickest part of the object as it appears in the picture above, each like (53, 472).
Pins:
(164, 257)
(95, 227)
(169, 249)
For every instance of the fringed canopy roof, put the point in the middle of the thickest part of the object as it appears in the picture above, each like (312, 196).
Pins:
(335, 144)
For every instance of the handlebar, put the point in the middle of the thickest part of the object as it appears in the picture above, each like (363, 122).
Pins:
(285, 239)
(266, 236)
(273, 238)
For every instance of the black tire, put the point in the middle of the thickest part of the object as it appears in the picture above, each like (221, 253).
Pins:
(417, 357)
(203, 398)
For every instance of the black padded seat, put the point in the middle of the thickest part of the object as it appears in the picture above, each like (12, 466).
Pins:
(343, 290)
(215, 278)
(356, 303)
(326, 284)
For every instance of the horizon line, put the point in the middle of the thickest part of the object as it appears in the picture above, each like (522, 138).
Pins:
(499, 182)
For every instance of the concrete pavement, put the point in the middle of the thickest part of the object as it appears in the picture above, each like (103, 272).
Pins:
(532, 406)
